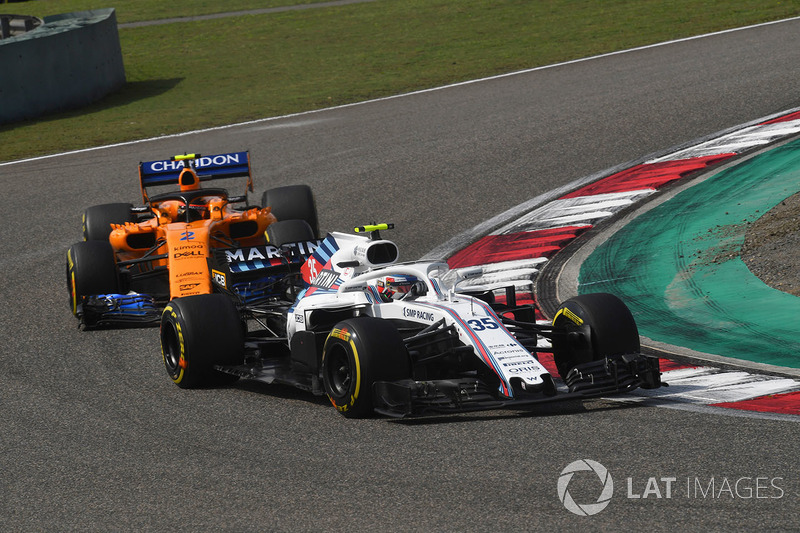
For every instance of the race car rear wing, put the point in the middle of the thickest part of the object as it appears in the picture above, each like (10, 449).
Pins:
(220, 166)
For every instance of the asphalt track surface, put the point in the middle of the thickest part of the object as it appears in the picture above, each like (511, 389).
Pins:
(93, 436)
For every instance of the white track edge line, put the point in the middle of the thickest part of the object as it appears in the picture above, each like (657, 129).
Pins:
(423, 91)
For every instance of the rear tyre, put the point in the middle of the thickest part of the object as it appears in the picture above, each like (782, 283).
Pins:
(598, 325)
(91, 269)
(357, 353)
(285, 231)
(293, 202)
(197, 333)
(97, 220)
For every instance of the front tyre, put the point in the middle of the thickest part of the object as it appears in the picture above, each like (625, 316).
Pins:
(197, 333)
(91, 270)
(598, 325)
(357, 353)
(97, 220)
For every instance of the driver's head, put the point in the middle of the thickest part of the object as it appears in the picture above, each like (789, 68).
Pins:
(199, 208)
(196, 210)
(395, 287)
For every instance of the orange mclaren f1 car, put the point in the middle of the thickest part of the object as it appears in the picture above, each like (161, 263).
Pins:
(133, 260)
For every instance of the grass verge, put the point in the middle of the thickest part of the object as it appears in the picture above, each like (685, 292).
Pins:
(208, 73)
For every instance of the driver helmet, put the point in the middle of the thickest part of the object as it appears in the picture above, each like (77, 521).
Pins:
(395, 287)
(197, 210)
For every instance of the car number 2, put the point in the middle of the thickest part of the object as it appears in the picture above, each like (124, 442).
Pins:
(482, 324)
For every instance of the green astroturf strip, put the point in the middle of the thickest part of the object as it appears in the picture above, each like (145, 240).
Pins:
(679, 268)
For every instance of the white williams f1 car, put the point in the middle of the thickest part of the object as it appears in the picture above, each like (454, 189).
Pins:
(399, 339)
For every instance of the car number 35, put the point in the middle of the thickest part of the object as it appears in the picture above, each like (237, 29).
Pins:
(482, 324)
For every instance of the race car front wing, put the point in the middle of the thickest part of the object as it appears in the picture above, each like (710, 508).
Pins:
(611, 375)
(118, 310)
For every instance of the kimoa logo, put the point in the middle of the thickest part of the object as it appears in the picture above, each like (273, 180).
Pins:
(585, 509)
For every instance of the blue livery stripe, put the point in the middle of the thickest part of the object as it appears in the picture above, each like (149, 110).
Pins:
(247, 266)
(485, 353)
(326, 249)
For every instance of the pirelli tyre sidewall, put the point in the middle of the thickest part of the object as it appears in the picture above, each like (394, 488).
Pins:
(197, 333)
(357, 353)
(600, 324)
(91, 270)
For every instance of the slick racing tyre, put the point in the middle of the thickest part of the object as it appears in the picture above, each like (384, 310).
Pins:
(598, 325)
(197, 333)
(286, 231)
(91, 270)
(357, 353)
(97, 220)
(292, 202)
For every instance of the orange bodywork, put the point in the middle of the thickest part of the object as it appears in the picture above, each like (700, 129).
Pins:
(184, 247)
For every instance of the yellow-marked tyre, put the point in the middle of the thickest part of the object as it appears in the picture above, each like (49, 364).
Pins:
(197, 333)
(357, 353)
(598, 325)
(91, 270)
